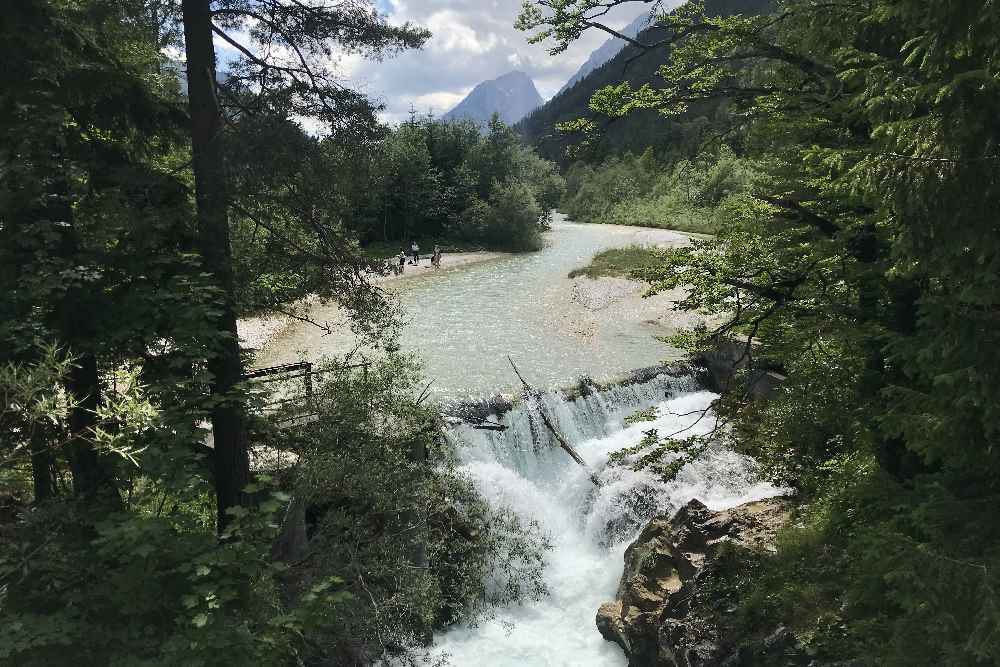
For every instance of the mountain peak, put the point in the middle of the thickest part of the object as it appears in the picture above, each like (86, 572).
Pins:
(516, 74)
(512, 95)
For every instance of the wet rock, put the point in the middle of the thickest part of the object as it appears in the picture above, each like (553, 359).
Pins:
(637, 505)
(722, 364)
(655, 617)
(610, 623)
(729, 366)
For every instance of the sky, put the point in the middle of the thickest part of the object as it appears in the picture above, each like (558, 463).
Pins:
(473, 41)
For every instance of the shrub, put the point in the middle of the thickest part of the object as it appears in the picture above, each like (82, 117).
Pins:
(515, 218)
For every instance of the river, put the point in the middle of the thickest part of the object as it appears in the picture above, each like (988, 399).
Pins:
(463, 324)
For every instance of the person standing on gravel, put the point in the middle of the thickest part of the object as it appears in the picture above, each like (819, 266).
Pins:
(415, 250)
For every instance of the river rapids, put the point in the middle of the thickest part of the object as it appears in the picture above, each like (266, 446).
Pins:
(589, 527)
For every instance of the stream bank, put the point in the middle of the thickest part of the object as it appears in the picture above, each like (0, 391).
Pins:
(463, 323)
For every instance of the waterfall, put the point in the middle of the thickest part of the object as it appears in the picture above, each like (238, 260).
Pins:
(589, 526)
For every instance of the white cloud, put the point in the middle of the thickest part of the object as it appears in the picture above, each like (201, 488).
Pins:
(438, 103)
(450, 34)
(473, 41)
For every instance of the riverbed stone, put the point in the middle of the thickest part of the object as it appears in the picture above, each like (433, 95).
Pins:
(653, 617)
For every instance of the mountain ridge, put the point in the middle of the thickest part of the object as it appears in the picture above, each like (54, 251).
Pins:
(512, 95)
(639, 130)
(608, 50)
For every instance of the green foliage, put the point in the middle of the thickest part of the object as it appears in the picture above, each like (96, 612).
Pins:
(862, 262)
(664, 456)
(147, 583)
(640, 416)
(414, 561)
(288, 236)
(619, 262)
(515, 219)
(429, 180)
(641, 191)
(109, 544)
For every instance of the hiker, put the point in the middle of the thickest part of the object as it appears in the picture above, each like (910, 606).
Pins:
(402, 261)
(415, 249)
(436, 257)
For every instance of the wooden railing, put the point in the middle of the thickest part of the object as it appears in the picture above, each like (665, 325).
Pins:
(284, 372)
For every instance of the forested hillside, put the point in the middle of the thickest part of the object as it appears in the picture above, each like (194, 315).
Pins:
(636, 131)
(858, 264)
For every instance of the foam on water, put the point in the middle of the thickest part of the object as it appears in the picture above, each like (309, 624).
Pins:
(582, 570)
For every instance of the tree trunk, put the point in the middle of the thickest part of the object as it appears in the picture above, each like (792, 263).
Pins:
(891, 452)
(232, 469)
(41, 466)
(92, 478)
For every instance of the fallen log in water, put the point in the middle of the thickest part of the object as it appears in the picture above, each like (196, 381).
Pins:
(568, 448)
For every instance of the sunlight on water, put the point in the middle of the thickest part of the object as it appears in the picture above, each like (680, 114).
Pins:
(546, 486)
(462, 324)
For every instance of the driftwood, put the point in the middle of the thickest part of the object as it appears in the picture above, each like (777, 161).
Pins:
(568, 448)
(486, 425)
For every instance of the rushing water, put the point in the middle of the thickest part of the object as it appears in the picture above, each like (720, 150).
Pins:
(462, 324)
(541, 483)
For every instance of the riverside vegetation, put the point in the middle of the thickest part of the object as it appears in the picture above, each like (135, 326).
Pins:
(860, 259)
(619, 263)
(137, 223)
(446, 181)
(844, 154)
(679, 194)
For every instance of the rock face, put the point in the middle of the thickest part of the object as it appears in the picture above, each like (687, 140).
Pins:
(656, 617)
(512, 95)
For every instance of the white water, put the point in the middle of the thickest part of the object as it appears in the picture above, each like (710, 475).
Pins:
(545, 485)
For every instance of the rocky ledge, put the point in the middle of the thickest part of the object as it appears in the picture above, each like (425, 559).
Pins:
(661, 617)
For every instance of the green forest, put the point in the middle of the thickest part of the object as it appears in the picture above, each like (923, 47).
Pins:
(447, 181)
(836, 163)
(142, 211)
(851, 189)
(682, 194)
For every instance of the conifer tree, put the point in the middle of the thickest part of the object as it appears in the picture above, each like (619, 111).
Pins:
(309, 32)
(863, 262)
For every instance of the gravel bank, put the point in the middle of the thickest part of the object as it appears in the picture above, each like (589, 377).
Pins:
(256, 332)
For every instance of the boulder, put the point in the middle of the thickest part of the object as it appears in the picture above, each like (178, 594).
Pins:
(728, 366)
(653, 617)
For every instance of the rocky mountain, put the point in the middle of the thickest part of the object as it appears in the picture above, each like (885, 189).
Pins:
(512, 95)
(608, 50)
